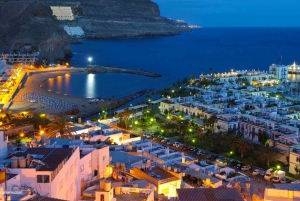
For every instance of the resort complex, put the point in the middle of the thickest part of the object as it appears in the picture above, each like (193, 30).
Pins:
(222, 136)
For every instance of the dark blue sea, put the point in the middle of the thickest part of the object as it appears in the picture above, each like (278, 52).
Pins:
(175, 57)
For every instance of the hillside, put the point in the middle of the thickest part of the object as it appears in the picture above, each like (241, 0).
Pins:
(23, 23)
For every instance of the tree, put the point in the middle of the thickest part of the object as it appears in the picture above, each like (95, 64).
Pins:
(60, 124)
(243, 145)
(210, 125)
(200, 133)
(125, 115)
(297, 170)
(268, 154)
(263, 137)
(231, 141)
(8, 117)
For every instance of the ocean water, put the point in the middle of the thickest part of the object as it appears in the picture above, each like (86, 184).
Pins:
(176, 57)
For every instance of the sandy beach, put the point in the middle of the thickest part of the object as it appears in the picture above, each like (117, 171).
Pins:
(32, 85)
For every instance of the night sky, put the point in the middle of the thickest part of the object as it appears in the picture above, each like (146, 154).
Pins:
(233, 13)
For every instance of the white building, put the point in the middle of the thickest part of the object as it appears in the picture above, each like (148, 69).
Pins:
(62, 12)
(3, 145)
(280, 71)
(51, 171)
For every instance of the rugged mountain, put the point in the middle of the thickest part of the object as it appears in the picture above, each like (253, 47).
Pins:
(31, 22)
(23, 23)
(120, 18)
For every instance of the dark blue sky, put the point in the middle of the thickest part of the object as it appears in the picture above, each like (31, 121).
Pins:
(233, 13)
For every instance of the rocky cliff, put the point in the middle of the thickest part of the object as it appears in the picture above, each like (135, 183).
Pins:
(120, 18)
(30, 23)
(23, 23)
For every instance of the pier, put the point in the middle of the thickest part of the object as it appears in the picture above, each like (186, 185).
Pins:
(106, 69)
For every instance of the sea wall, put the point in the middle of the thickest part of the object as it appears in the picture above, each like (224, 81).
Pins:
(106, 69)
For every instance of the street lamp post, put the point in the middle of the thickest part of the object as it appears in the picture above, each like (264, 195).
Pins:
(90, 59)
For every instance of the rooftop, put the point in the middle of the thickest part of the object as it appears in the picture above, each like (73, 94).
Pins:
(209, 194)
(159, 173)
(52, 157)
(44, 198)
(123, 157)
(131, 197)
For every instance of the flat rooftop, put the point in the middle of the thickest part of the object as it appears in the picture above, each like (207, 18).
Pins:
(123, 157)
(159, 173)
(52, 157)
(131, 197)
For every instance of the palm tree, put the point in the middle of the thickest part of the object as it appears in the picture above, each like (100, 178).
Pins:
(125, 115)
(243, 145)
(210, 125)
(200, 133)
(8, 117)
(60, 125)
(268, 154)
(231, 141)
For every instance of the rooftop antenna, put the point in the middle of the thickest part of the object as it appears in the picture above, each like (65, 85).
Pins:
(281, 60)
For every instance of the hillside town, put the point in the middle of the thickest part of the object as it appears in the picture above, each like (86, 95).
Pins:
(232, 135)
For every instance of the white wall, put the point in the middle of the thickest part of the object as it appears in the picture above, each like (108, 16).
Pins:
(65, 185)
(85, 167)
(3, 145)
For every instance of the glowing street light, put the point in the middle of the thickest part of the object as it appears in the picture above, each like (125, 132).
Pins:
(193, 140)
(42, 132)
(21, 134)
(278, 167)
(90, 59)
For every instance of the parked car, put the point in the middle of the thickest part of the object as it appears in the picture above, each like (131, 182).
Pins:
(191, 149)
(256, 172)
(196, 150)
(176, 144)
(164, 140)
(246, 168)
(262, 172)
(184, 147)
(169, 142)
(212, 157)
(285, 180)
(223, 162)
(219, 158)
(199, 152)
(147, 135)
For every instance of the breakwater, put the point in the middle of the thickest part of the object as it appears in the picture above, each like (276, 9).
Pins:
(106, 69)
(111, 105)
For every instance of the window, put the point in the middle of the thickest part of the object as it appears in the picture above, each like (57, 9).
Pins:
(71, 188)
(90, 163)
(61, 184)
(71, 169)
(298, 159)
(102, 197)
(67, 195)
(67, 176)
(43, 179)
(82, 168)
(76, 179)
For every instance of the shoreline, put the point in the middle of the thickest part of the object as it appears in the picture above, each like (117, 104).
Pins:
(34, 87)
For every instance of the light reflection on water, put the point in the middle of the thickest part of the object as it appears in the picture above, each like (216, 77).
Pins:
(103, 85)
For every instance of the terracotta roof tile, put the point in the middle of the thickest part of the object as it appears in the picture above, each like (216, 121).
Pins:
(209, 194)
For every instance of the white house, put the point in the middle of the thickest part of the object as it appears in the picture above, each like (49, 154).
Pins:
(3, 145)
